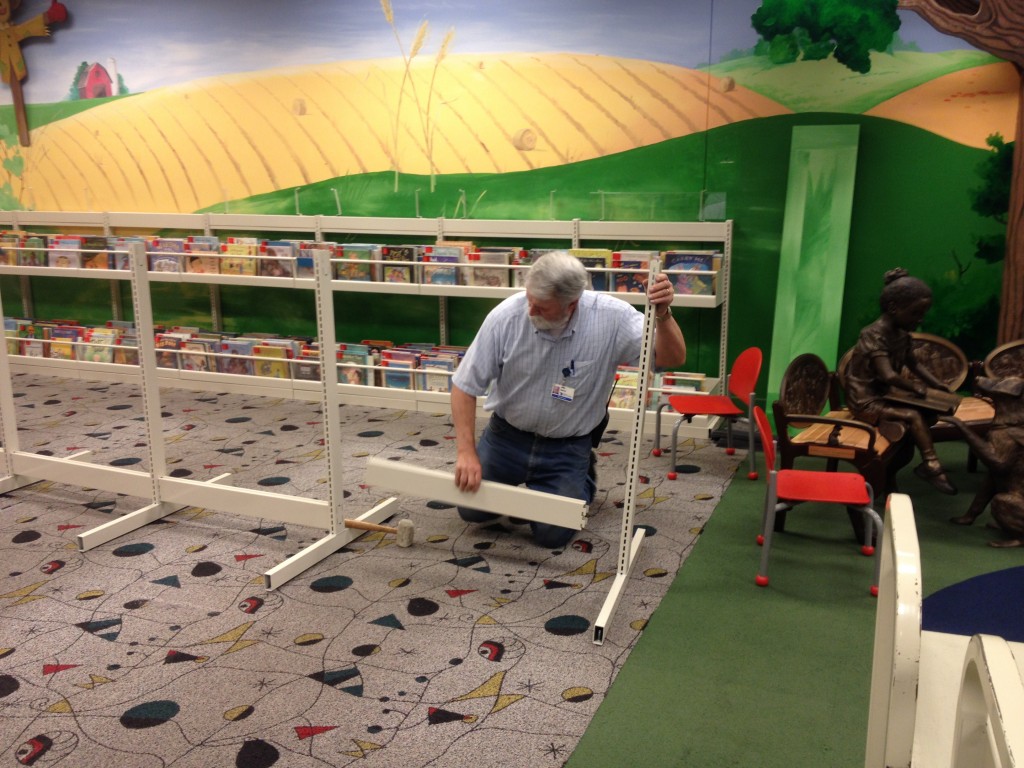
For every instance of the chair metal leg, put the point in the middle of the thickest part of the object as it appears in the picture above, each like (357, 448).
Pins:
(771, 506)
(873, 521)
(656, 451)
(751, 445)
(675, 443)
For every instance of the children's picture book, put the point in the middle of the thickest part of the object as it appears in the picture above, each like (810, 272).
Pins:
(32, 348)
(202, 255)
(66, 252)
(126, 349)
(10, 244)
(436, 370)
(306, 366)
(438, 264)
(305, 261)
(167, 346)
(98, 345)
(489, 267)
(235, 356)
(166, 254)
(638, 264)
(96, 253)
(271, 361)
(357, 261)
(238, 256)
(624, 392)
(63, 342)
(196, 354)
(400, 262)
(354, 362)
(597, 261)
(33, 252)
(277, 258)
(685, 268)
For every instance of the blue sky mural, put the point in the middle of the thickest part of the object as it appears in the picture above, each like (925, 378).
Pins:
(158, 42)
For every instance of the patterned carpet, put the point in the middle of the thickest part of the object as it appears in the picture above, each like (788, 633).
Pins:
(162, 648)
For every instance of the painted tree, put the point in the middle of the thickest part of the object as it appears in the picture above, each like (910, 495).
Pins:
(996, 27)
(849, 30)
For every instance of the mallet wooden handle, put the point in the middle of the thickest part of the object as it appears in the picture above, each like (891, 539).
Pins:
(360, 525)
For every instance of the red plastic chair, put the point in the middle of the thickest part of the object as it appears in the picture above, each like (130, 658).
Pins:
(740, 385)
(788, 487)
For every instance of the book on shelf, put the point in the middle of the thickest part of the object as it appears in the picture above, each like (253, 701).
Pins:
(357, 261)
(635, 266)
(355, 364)
(98, 346)
(126, 349)
(65, 252)
(597, 261)
(33, 252)
(489, 267)
(439, 264)
(96, 253)
(306, 365)
(235, 356)
(685, 268)
(626, 386)
(238, 256)
(277, 258)
(32, 348)
(63, 341)
(166, 254)
(197, 354)
(167, 346)
(679, 382)
(305, 260)
(519, 266)
(10, 245)
(271, 361)
(397, 373)
(435, 372)
(120, 258)
(399, 262)
(202, 255)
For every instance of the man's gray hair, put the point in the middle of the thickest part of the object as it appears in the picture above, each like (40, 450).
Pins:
(557, 275)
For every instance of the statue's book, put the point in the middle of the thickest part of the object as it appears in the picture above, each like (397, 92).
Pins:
(934, 399)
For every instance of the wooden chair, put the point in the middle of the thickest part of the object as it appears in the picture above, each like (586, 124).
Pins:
(1005, 360)
(937, 699)
(806, 389)
(736, 402)
(789, 487)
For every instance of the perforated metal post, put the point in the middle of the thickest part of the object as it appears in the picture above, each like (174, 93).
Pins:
(630, 540)
(338, 535)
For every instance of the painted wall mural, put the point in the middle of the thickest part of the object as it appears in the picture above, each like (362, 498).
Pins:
(584, 108)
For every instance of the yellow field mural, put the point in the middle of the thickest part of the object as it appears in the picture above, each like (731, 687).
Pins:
(183, 148)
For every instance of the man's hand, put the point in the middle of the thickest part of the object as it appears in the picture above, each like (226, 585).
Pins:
(467, 473)
(660, 292)
(56, 13)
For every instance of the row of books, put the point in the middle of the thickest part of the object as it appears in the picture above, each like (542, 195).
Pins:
(446, 262)
(660, 386)
(368, 363)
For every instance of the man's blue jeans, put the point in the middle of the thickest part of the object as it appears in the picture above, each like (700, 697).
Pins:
(553, 465)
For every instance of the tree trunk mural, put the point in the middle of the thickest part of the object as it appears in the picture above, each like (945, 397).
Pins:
(996, 27)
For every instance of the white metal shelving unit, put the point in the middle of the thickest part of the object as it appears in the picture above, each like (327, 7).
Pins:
(166, 493)
(574, 233)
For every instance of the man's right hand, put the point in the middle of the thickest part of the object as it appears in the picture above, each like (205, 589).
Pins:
(467, 473)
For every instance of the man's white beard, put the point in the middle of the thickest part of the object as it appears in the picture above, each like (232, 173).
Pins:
(541, 324)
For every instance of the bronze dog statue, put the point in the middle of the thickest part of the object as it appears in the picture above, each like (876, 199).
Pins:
(1002, 451)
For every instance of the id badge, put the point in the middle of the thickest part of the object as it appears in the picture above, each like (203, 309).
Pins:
(563, 393)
